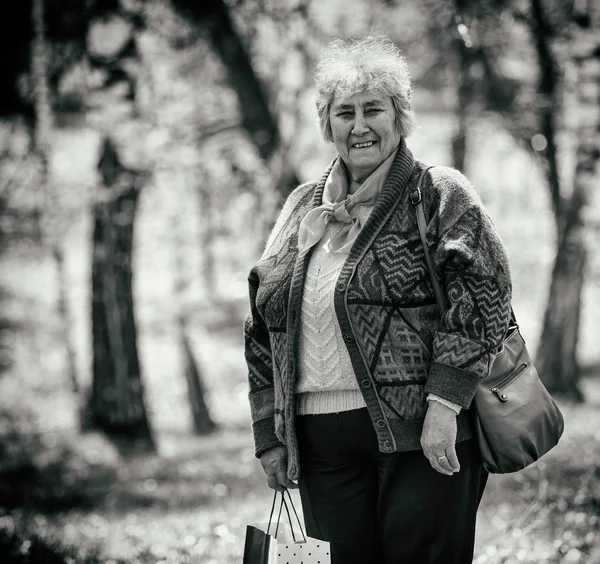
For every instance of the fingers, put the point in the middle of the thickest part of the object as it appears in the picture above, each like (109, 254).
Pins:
(440, 464)
(274, 463)
(273, 483)
(453, 458)
(439, 437)
(445, 463)
(283, 479)
(279, 483)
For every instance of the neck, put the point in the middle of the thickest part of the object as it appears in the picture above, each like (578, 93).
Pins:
(356, 179)
(354, 185)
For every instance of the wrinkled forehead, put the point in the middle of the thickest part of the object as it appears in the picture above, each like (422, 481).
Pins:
(363, 99)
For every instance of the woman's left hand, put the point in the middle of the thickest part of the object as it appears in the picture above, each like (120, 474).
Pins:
(438, 438)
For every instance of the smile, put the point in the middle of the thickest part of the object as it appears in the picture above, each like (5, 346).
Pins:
(363, 145)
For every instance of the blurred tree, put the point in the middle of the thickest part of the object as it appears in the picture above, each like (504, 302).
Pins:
(479, 52)
(468, 38)
(483, 28)
(43, 130)
(58, 38)
(557, 353)
(99, 37)
(116, 404)
(209, 227)
(214, 20)
(64, 37)
(202, 421)
(548, 107)
(464, 93)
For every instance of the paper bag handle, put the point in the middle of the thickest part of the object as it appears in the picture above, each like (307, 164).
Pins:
(281, 505)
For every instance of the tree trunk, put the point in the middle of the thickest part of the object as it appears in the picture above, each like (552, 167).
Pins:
(459, 139)
(208, 266)
(117, 400)
(65, 317)
(284, 174)
(258, 120)
(557, 352)
(557, 355)
(203, 423)
(215, 21)
(548, 105)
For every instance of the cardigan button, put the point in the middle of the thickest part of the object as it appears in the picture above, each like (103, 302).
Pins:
(349, 338)
(340, 287)
(366, 383)
(380, 423)
(386, 445)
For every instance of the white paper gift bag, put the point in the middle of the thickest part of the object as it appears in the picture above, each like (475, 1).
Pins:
(306, 551)
(280, 543)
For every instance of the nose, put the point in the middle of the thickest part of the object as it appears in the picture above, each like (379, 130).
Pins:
(360, 125)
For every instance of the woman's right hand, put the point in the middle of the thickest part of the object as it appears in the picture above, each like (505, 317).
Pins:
(274, 463)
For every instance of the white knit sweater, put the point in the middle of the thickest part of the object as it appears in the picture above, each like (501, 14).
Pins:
(327, 383)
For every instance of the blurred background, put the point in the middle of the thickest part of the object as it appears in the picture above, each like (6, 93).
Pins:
(145, 148)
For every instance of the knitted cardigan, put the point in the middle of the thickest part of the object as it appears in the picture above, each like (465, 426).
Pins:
(399, 347)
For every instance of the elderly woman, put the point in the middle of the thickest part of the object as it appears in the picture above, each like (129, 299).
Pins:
(359, 390)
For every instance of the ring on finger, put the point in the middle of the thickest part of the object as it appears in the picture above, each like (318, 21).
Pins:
(441, 457)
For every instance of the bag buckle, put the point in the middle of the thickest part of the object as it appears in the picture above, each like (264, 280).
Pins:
(416, 196)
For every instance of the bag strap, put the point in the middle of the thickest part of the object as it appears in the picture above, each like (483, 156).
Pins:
(281, 505)
(295, 513)
(278, 516)
(416, 198)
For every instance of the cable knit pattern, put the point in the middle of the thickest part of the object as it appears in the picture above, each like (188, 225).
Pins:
(327, 383)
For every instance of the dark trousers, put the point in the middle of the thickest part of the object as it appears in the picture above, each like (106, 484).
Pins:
(384, 508)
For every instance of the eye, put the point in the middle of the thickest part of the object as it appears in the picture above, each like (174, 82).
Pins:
(374, 111)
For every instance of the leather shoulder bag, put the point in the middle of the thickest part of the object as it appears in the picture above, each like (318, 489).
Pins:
(516, 419)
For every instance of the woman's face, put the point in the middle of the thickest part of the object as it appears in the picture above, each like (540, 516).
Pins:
(364, 131)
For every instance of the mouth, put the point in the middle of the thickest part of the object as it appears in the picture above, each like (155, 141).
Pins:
(364, 145)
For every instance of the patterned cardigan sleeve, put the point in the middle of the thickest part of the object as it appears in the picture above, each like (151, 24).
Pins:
(257, 343)
(257, 350)
(472, 264)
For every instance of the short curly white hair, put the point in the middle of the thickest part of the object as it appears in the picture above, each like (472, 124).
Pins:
(368, 64)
